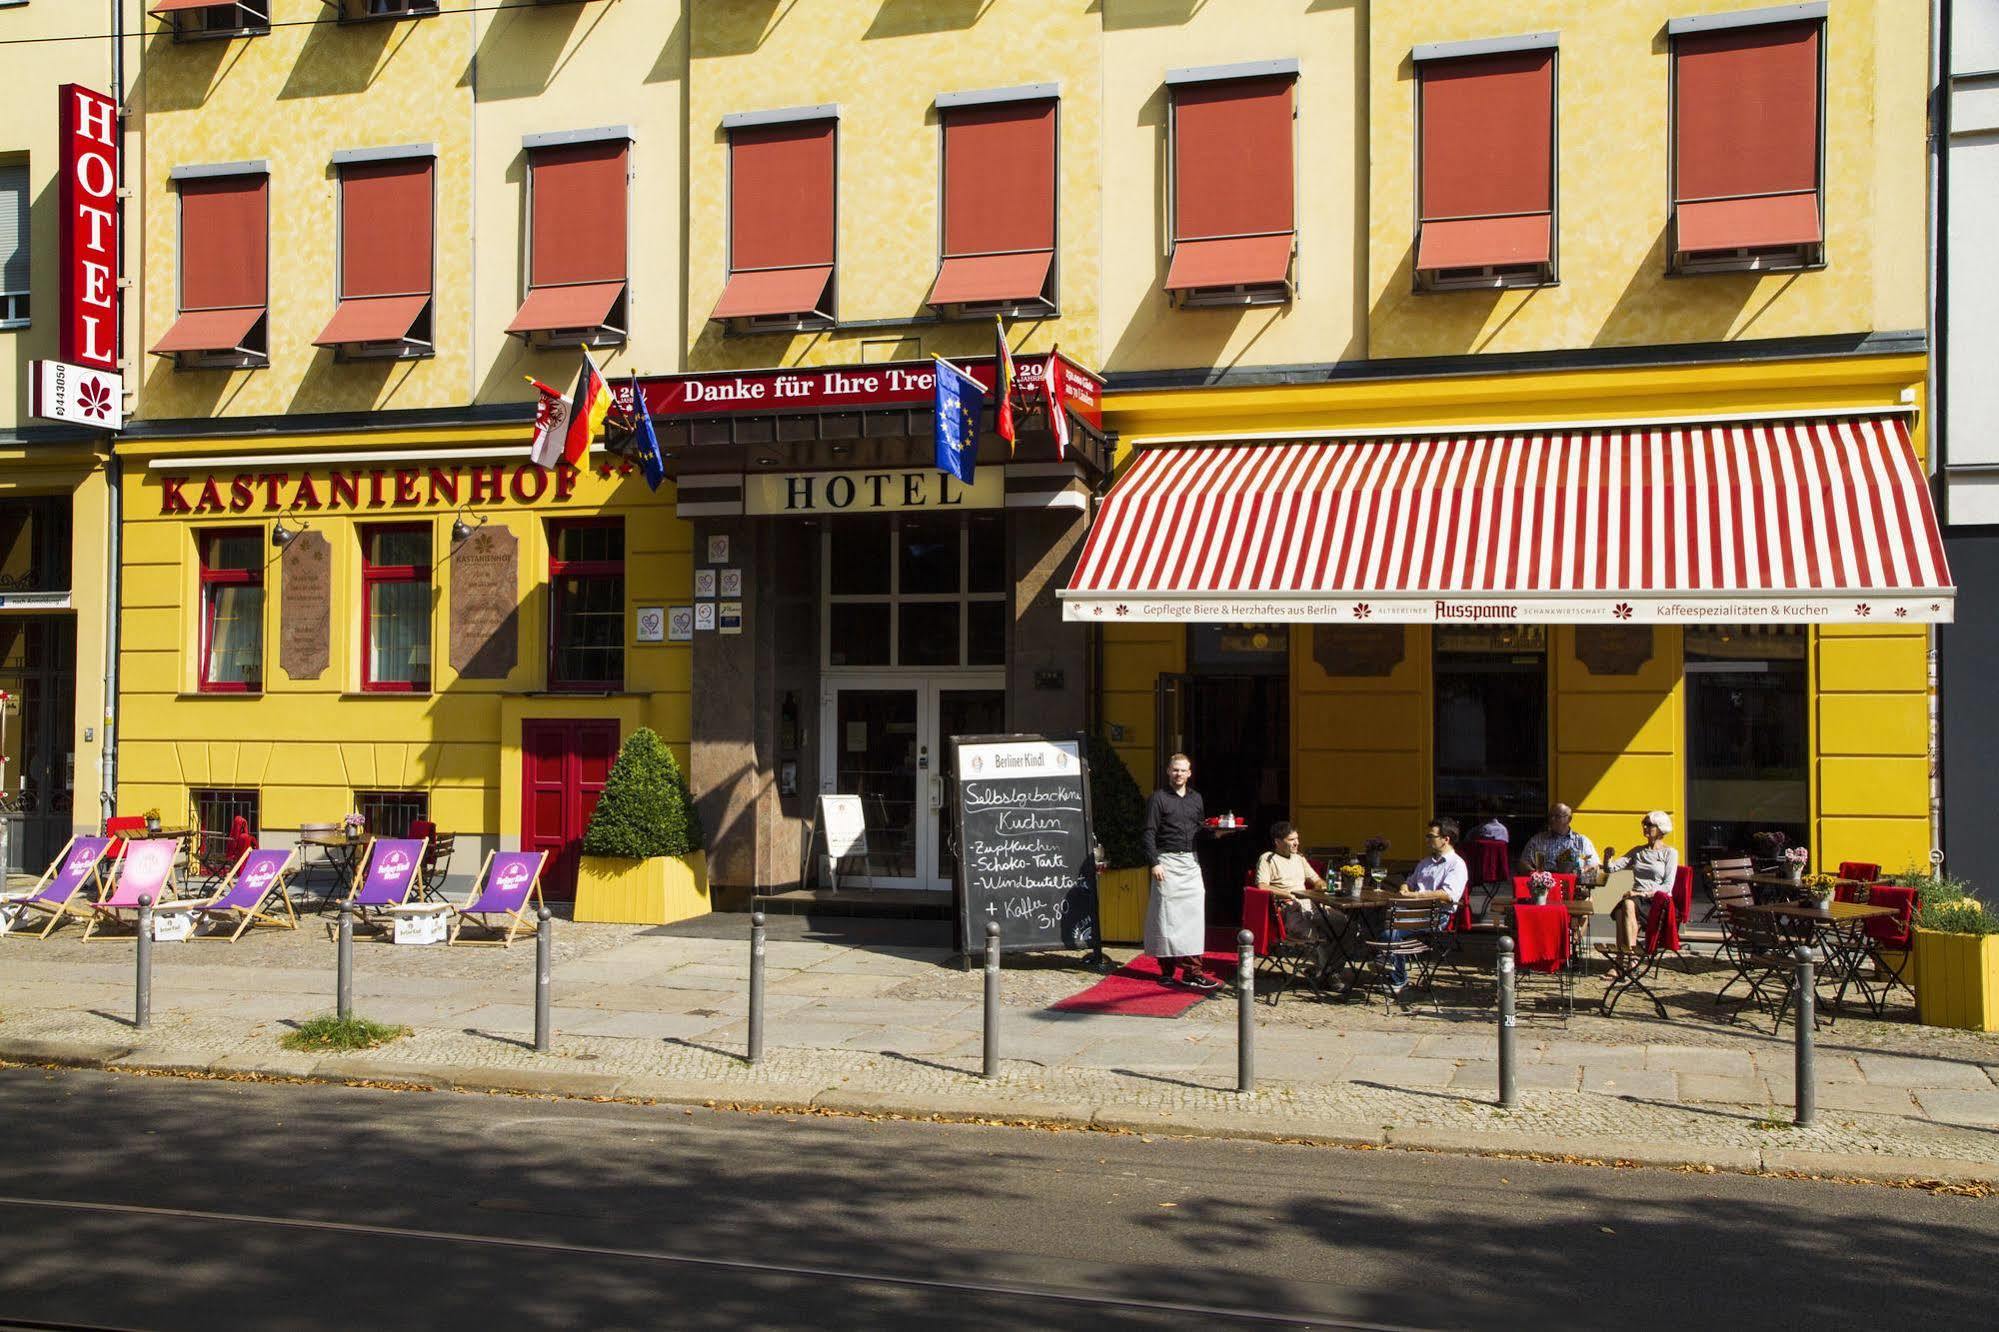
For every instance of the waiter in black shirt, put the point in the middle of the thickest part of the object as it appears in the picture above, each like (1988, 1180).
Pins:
(1176, 914)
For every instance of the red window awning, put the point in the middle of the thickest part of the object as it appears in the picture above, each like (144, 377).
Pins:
(584, 305)
(1487, 160)
(772, 293)
(991, 277)
(1229, 261)
(208, 331)
(1795, 520)
(161, 8)
(372, 319)
(1746, 137)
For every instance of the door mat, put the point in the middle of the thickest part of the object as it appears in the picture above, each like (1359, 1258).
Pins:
(1137, 989)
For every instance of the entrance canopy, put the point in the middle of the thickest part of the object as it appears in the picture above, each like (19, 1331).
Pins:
(1808, 519)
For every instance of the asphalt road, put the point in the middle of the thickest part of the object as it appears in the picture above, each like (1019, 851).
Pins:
(138, 1202)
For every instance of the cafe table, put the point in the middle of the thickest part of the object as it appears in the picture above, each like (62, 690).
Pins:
(1785, 884)
(1838, 930)
(338, 852)
(1361, 914)
(1581, 909)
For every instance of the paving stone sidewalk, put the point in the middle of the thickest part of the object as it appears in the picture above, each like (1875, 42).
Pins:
(893, 1029)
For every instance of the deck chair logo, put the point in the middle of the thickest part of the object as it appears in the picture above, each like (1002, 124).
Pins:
(145, 860)
(260, 875)
(83, 858)
(512, 876)
(394, 866)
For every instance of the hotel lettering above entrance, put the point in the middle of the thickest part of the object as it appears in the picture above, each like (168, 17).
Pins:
(889, 491)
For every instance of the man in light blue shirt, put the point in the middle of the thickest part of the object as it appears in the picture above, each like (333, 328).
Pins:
(1441, 871)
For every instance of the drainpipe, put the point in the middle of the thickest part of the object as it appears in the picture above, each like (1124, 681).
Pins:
(1938, 191)
(113, 466)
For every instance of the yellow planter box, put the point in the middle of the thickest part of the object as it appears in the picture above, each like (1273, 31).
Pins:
(1121, 898)
(1957, 980)
(657, 891)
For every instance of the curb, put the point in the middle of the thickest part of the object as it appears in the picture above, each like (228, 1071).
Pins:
(1052, 1113)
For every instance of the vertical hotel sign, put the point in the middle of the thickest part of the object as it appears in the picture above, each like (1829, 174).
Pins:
(88, 334)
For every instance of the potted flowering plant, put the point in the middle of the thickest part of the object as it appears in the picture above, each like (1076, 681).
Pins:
(353, 825)
(1351, 875)
(1766, 850)
(1540, 883)
(1818, 889)
(152, 817)
(1371, 851)
(1795, 859)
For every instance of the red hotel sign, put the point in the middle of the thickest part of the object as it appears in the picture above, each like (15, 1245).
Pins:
(88, 234)
(902, 384)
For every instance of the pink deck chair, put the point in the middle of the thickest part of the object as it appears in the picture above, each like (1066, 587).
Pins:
(147, 870)
(243, 896)
(498, 906)
(390, 869)
(85, 864)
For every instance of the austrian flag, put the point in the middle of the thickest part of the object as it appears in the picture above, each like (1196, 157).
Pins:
(564, 424)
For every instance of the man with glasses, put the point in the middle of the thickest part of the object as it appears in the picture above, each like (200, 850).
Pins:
(1441, 871)
(1559, 848)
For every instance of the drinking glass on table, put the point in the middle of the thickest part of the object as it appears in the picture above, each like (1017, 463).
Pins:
(1379, 876)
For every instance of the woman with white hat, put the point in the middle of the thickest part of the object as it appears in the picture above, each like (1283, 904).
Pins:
(1653, 868)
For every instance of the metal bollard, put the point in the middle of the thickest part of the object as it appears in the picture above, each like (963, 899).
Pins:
(1805, 1073)
(142, 999)
(756, 1039)
(1509, 1088)
(992, 999)
(544, 978)
(1245, 1011)
(343, 991)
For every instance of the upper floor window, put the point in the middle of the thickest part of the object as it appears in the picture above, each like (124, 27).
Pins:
(998, 217)
(232, 610)
(194, 19)
(14, 252)
(1747, 119)
(224, 267)
(577, 265)
(586, 622)
(395, 608)
(782, 219)
(1233, 183)
(1486, 173)
(384, 9)
(387, 211)
(34, 544)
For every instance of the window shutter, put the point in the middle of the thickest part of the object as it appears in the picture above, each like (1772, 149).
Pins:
(15, 257)
(1487, 160)
(781, 195)
(385, 227)
(579, 213)
(223, 244)
(1232, 160)
(1746, 137)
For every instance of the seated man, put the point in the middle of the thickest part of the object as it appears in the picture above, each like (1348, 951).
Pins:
(1442, 870)
(1560, 849)
(1490, 829)
(1289, 875)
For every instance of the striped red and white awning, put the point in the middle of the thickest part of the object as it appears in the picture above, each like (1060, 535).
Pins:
(1824, 518)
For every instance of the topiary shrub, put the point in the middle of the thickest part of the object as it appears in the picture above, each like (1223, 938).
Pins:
(1117, 807)
(646, 809)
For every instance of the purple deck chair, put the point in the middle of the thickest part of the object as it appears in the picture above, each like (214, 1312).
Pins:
(243, 897)
(147, 870)
(87, 862)
(506, 883)
(390, 868)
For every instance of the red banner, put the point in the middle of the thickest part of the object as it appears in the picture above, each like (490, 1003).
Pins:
(87, 231)
(903, 384)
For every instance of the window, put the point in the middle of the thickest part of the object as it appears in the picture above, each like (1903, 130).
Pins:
(224, 268)
(35, 545)
(390, 813)
(1491, 721)
(213, 811)
(395, 608)
(232, 610)
(1234, 220)
(1486, 177)
(15, 257)
(385, 9)
(1747, 740)
(387, 212)
(192, 20)
(782, 220)
(916, 591)
(1746, 123)
(586, 625)
(577, 228)
(998, 215)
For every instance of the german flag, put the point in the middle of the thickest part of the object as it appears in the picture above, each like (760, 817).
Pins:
(1003, 385)
(589, 403)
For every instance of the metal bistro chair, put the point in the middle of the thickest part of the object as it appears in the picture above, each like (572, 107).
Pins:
(1632, 968)
(1276, 953)
(437, 862)
(1760, 951)
(1726, 884)
(1409, 932)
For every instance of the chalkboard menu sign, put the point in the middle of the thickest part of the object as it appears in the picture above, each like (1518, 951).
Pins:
(1022, 817)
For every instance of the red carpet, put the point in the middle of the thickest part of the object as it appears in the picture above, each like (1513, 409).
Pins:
(1137, 990)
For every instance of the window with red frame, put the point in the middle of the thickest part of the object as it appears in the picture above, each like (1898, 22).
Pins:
(232, 610)
(586, 628)
(395, 608)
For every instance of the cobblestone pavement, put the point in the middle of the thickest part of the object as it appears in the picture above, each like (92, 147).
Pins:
(897, 1030)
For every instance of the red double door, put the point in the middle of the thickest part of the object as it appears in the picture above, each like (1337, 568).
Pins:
(563, 767)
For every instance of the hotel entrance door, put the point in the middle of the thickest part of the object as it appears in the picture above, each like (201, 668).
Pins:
(888, 742)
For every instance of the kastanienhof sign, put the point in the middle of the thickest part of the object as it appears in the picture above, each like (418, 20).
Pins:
(361, 489)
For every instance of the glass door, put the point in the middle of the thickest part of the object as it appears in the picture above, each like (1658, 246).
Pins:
(959, 711)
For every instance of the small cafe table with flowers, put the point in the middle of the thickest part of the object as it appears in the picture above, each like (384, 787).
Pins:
(339, 847)
(1361, 913)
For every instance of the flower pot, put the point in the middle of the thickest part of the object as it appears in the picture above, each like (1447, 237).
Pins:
(1540, 897)
(152, 825)
(1793, 871)
(1353, 885)
(1957, 980)
(658, 890)
(1121, 895)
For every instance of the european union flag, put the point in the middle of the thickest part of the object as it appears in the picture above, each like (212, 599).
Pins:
(960, 400)
(645, 441)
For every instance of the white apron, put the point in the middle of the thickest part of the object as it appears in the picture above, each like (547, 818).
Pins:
(1176, 915)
